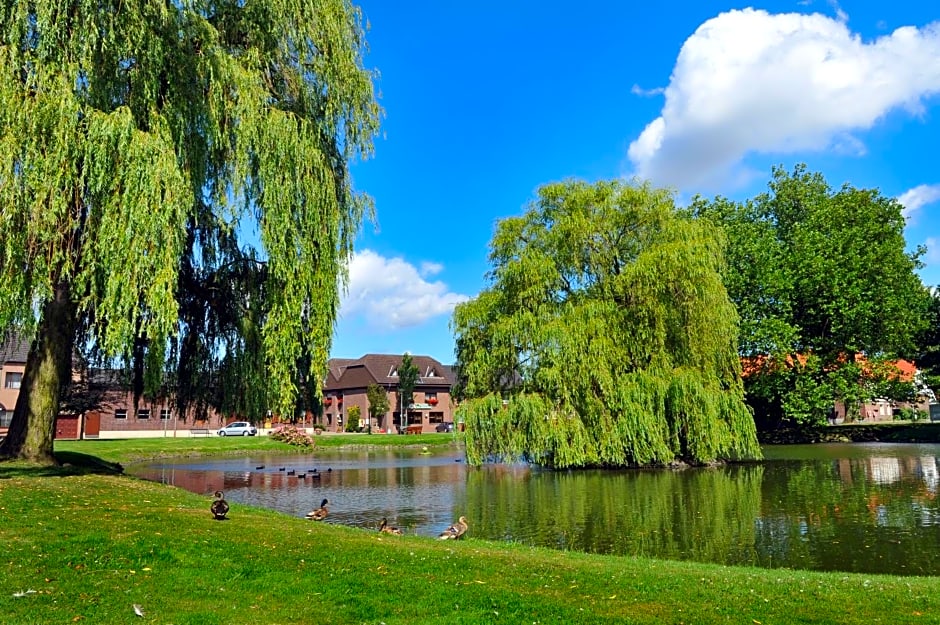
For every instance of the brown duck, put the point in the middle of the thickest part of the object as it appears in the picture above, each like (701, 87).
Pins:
(455, 531)
(385, 528)
(320, 513)
(219, 507)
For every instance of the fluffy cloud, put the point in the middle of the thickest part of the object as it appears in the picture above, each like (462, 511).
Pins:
(921, 195)
(751, 82)
(390, 293)
(933, 250)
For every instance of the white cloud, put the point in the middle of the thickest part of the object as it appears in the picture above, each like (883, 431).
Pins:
(430, 269)
(391, 293)
(646, 93)
(751, 82)
(933, 251)
(921, 195)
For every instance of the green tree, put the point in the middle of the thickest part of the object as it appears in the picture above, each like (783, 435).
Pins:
(821, 273)
(605, 337)
(926, 352)
(174, 190)
(407, 381)
(378, 403)
(352, 419)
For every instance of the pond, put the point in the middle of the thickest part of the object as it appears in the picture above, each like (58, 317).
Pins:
(831, 507)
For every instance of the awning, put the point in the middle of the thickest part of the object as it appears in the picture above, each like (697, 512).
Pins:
(420, 407)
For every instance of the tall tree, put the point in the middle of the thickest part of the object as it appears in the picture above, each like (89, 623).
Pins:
(407, 381)
(818, 275)
(174, 188)
(926, 352)
(378, 403)
(605, 337)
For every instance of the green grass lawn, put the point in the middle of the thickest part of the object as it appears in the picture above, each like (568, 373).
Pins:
(91, 545)
(126, 451)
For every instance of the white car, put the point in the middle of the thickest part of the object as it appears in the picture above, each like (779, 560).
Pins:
(238, 428)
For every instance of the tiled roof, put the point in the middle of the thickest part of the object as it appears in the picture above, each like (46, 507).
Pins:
(904, 368)
(378, 369)
(13, 349)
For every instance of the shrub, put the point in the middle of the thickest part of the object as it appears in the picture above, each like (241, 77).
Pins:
(292, 435)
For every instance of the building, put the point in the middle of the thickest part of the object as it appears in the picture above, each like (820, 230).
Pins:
(13, 352)
(347, 381)
(101, 404)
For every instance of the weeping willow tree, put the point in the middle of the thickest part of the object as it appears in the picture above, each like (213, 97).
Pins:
(605, 338)
(174, 191)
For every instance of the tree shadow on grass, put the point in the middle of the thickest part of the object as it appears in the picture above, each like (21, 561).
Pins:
(70, 463)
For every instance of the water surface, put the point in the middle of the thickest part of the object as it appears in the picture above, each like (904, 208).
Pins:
(849, 507)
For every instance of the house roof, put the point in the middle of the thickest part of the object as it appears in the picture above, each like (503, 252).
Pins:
(13, 349)
(382, 369)
(905, 369)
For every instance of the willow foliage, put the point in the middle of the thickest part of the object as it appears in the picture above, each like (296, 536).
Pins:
(139, 141)
(606, 337)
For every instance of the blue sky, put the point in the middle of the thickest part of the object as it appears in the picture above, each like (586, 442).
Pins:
(484, 102)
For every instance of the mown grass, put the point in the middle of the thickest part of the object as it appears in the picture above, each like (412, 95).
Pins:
(130, 450)
(92, 543)
(91, 546)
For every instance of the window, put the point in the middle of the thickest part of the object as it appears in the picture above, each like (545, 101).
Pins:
(120, 414)
(164, 414)
(393, 372)
(143, 413)
(14, 379)
(435, 417)
(6, 416)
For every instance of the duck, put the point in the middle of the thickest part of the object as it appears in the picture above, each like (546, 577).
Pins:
(219, 507)
(292, 472)
(320, 513)
(385, 528)
(259, 467)
(455, 531)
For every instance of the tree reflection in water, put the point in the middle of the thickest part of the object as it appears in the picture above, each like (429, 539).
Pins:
(864, 508)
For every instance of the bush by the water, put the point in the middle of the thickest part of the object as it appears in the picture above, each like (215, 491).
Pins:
(292, 435)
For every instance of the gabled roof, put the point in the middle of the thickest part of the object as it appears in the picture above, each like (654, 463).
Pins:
(382, 369)
(13, 349)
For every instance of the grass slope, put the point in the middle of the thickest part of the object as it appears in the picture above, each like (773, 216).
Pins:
(93, 544)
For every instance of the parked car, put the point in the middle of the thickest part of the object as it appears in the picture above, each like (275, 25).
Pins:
(444, 427)
(238, 428)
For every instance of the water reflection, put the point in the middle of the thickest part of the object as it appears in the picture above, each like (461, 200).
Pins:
(866, 508)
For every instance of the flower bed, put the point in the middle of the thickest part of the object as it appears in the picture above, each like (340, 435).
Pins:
(292, 435)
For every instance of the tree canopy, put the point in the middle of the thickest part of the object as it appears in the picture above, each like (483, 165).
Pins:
(174, 190)
(377, 397)
(604, 338)
(407, 381)
(818, 276)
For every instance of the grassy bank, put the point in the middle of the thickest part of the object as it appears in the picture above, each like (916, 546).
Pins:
(91, 546)
(876, 432)
(126, 451)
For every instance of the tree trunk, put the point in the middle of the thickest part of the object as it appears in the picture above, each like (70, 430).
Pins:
(48, 370)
